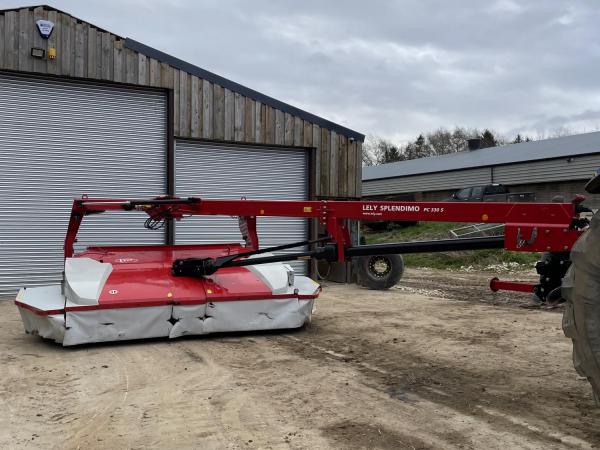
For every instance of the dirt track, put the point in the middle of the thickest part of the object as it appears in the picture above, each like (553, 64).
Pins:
(408, 368)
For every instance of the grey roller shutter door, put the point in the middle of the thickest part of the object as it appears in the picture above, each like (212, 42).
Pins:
(233, 172)
(59, 140)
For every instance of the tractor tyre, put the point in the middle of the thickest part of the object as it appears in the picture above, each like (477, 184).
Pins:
(581, 319)
(379, 272)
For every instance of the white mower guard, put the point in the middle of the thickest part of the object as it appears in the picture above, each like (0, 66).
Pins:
(56, 313)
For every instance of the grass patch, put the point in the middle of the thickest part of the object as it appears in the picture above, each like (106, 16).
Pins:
(478, 259)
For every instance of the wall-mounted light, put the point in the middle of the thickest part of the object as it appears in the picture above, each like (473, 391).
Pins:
(38, 52)
(51, 53)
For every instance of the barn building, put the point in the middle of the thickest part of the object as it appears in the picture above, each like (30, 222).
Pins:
(84, 111)
(548, 168)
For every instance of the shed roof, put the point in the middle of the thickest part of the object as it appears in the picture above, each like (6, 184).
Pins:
(579, 144)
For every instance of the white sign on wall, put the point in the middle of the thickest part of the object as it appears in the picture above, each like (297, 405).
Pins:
(45, 27)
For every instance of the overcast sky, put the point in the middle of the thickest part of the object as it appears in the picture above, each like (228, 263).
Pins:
(390, 68)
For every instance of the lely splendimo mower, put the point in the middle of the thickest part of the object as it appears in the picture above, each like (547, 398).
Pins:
(113, 293)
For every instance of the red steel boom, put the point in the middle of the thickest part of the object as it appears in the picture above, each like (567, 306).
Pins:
(529, 227)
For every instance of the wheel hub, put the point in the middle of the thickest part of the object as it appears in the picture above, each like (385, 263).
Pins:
(380, 266)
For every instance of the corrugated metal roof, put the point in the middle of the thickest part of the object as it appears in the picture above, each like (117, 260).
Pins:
(579, 144)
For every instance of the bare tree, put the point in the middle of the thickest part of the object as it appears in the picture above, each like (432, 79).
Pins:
(561, 132)
(368, 151)
(377, 150)
(555, 133)
(444, 141)
(441, 141)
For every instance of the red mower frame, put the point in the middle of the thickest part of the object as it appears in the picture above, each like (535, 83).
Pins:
(529, 227)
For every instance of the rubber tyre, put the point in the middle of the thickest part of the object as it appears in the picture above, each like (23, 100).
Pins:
(581, 319)
(367, 277)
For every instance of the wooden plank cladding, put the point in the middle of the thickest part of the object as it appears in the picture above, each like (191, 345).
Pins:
(206, 106)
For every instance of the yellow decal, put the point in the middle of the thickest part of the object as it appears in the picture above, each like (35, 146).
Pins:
(262, 211)
(484, 218)
(308, 209)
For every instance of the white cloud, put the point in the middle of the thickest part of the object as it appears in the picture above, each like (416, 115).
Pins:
(506, 6)
(567, 17)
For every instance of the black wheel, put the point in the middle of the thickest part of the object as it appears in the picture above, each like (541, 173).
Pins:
(581, 319)
(379, 271)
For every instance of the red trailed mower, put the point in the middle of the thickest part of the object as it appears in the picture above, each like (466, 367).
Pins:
(111, 293)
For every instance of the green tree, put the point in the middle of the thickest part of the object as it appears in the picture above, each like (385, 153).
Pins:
(488, 139)
(418, 149)
(519, 139)
(388, 152)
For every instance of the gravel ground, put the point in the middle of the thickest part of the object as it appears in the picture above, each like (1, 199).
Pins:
(436, 362)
